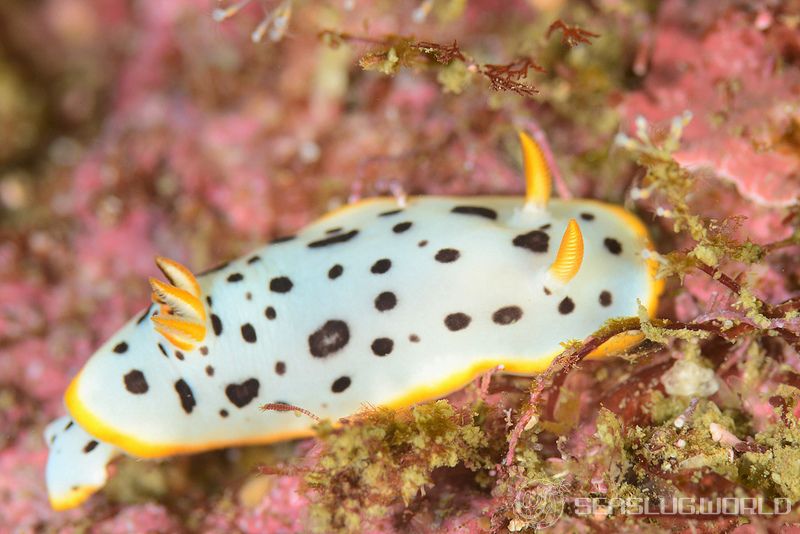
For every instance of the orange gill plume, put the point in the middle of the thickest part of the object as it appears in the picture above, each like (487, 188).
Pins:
(182, 316)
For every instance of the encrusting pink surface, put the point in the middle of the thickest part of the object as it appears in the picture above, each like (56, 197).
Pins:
(721, 65)
(168, 133)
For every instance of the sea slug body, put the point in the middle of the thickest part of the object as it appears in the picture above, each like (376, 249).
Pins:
(376, 303)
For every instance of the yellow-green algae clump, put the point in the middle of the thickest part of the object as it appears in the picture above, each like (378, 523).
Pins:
(384, 453)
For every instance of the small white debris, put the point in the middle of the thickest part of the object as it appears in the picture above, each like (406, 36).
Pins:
(531, 422)
(276, 22)
(624, 141)
(13, 193)
(722, 436)
(690, 379)
(636, 193)
(421, 13)
(517, 525)
(641, 126)
(309, 152)
(664, 212)
(224, 13)
(399, 193)
(281, 21)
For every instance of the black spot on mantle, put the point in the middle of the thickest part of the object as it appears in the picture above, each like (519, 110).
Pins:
(507, 315)
(479, 211)
(341, 384)
(535, 241)
(283, 239)
(242, 394)
(333, 240)
(381, 266)
(385, 301)
(613, 246)
(457, 321)
(389, 213)
(335, 272)
(185, 395)
(399, 228)
(248, 333)
(331, 337)
(135, 382)
(447, 255)
(214, 269)
(281, 284)
(216, 324)
(382, 346)
(144, 315)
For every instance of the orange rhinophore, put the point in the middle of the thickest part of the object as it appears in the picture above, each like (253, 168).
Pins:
(182, 315)
(570, 254)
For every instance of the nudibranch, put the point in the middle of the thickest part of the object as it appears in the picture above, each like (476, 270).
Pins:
(384, 302)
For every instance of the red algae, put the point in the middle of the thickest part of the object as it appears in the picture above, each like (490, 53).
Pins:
(135, 129)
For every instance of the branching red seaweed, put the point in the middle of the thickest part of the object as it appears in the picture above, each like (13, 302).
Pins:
(571, 35)
(395, 51)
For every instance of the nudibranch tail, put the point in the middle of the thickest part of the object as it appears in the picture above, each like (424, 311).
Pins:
(77, 463)
(570, 254)
(182, 317)
(538, 184)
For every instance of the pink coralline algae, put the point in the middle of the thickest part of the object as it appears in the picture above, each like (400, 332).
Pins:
(724, 65)
(135, 129)
(138, 518)
(281, 509)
